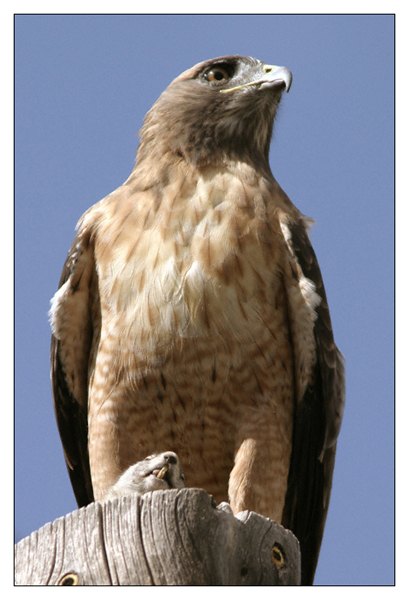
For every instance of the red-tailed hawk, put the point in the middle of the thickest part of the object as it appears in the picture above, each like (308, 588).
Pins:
(192, 315)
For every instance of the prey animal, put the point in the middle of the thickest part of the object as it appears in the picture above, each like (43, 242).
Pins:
(156, 472)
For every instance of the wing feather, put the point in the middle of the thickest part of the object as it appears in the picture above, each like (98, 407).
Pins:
(74, 327)
(317, 421)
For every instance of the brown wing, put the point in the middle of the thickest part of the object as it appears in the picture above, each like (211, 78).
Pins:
(317, 422)
(74, 326)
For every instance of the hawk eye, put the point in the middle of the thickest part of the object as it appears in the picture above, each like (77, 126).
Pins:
(217, 74)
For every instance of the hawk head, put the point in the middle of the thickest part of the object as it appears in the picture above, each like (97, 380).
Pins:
(218, 111)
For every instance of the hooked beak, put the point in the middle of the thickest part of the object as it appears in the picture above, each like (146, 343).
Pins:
(275, 77)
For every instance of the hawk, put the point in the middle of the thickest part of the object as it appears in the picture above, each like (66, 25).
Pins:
(191, 314)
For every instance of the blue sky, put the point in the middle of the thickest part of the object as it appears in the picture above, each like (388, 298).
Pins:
(82, 87)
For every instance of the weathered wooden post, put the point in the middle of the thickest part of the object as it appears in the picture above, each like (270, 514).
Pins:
(174, 537)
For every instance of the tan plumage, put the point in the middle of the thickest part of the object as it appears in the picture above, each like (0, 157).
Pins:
(192, 315)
